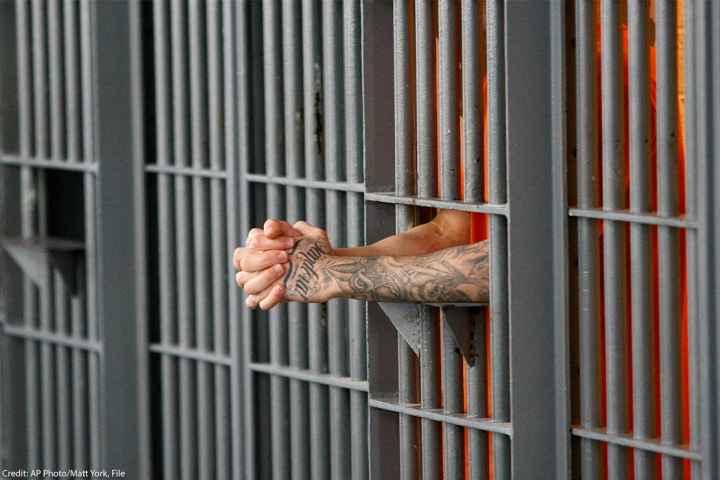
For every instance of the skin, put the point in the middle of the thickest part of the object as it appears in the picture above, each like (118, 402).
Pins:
(429, 263)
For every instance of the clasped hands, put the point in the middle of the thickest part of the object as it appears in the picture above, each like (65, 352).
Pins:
(282, 262)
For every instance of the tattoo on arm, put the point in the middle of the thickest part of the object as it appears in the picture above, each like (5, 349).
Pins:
(456, 274)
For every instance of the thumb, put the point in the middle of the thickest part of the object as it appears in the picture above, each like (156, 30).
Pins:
(279, 228)
(308, 230)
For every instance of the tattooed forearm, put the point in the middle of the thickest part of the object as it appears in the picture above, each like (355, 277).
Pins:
(456, 274)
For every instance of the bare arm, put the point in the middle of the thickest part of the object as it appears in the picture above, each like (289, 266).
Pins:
(454, 274)
(449, 228)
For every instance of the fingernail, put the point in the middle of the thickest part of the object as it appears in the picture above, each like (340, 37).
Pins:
(289, 242)
(278, 268)
(283, 256)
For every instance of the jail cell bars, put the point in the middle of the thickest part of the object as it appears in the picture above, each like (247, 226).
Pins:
(634, 221)
(191, 184)
(300, 107)
(53, 332)
(447, 134)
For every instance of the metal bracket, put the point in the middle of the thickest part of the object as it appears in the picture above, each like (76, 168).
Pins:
(406, 318)
(461, 322)
(36, 257)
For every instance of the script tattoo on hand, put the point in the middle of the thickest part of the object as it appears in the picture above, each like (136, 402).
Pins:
(306, 279)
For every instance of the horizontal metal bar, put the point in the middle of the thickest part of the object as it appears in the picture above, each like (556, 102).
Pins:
(192, 354)
(299, 182)
(492, 209)
(436, 414)
(48, 163)
(628, 441)
(627, 216)
(309, 376)
(52, 338)
(187, 171)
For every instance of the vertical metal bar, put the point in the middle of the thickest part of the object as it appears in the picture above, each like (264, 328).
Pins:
(453, 436)
(404, 185)
(72, 79)
(425, 131)
(168, 333)
(218, 95)
(668, 255)
(314, 124)
(536, 319)
(691, 247)
(62, 370)
(643, 346)
(275, 150)
(355, 237)
(429, 394)
(337, 309)
(472, 37)
(48, 363)
(88, 154)
(454, 447)
(25, 118)
(614, 234)
(448, 64)
(297, 312)
(79, 374)
(201, 242)
(499, 328)
(118, 176)
(588, 268)
(39, 83)
(238, 191)
(184, 271)
(57, 100)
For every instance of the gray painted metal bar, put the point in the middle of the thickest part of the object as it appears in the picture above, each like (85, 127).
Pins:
(642, 336)
(668, 245)
(89, 117)
(39, 80)
(473, 71)
(357, 349)
(453, 437)
(220, 246)
(299, 182)
(588, 282)
(238, 73)
(27, 214)
(499, 326)
(72, 80)
(333, 143)
(168, 333)
(274, 152)
(308, 376)
(200, 230)
(425, 123)
(45, 163)
(183, 235)
(61, 308)
(120, 172)
(437, 415)
(449, 46)
(691, 246)
(627, 440)
(297, 312)
(621, 215)
(404, 185)
(494, 209)
(79, 367)
(430, 393)
(614, 243)
(536, 317)
(56, 90)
